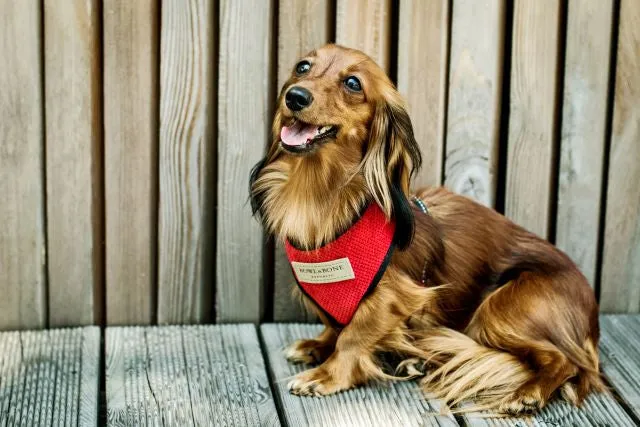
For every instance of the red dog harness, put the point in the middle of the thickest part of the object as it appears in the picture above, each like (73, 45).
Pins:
(340, 274)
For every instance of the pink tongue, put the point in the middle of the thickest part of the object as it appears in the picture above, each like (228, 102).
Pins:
(298, 133)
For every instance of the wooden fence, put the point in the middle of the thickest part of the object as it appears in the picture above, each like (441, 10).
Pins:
(128, 128)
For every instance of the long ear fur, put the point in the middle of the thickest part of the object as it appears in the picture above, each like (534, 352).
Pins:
(257, 197)
(391, 160)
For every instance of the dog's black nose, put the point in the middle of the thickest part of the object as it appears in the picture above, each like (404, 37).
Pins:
(298, 98)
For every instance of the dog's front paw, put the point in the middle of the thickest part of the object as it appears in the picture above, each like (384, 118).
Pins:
(308, 351)
(316, 382)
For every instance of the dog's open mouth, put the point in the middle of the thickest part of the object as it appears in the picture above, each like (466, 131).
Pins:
(301, 137)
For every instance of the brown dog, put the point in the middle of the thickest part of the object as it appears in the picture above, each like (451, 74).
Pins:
(499, 315)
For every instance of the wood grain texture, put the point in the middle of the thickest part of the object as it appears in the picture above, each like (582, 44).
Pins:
(131, 133)
(302, 27)
(474, 103)
(22, 235)
(423, 48)
(597, 410)
(366, 25)
(244, 101)
(584, 115)
(74, 160)
(398, 404)
(620, 356)
(187, 375)
(532, 117)
(49, 378)
(186, 161)
(90, 377)
(620, 284)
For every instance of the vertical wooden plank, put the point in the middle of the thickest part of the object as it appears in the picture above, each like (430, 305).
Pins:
(584, 115)
(620, 289)
(475, 90)
(130, 126)
(244, 98)
(186, 161)
(74, 151)
(532, 120)
(22, 241)
(423, 46)
(366, 25)
(303, 26)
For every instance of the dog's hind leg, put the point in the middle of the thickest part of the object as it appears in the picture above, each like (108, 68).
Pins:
(549, 323)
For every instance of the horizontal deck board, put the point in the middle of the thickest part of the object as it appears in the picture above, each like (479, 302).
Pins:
(620, 354)
(49, 378)
(399, 404)
(198, 375)
(187, 375)
(597, 410)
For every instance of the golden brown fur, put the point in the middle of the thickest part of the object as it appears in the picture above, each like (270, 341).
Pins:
(505, 319)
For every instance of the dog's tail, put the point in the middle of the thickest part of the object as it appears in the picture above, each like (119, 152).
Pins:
(467, 371)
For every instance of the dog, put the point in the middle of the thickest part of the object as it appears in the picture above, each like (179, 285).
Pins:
(493, 313)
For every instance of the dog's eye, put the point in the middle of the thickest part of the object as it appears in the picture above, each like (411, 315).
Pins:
(303, 67)
(352, 83)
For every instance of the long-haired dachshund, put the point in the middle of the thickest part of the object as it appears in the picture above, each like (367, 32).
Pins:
(494, 313)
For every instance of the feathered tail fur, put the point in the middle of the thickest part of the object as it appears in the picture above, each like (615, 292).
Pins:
(463, 370)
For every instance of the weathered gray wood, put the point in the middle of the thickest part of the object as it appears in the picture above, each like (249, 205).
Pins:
(423, 48)
(187, 161)
(90, 379)
(620, 290)
(74, 150)
(130, 158)
(366, 25)
(187, 375)
(302, 27)
(596, 411)
(22, 237)
(49, 378)
(620, 354)
(532, 116)
(244, 102)
(475, 89)
(399, 404)
(584, 116)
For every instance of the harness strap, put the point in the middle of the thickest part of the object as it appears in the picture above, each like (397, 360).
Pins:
(423, 207)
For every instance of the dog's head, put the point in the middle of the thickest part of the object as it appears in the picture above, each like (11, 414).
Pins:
(339, 110)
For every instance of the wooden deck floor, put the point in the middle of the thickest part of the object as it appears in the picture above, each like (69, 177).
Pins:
(235, 375)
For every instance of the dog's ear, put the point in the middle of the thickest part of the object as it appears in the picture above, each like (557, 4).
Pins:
(391, 159)
(256, 197)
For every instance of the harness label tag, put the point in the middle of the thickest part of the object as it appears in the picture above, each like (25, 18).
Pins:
(324, 272)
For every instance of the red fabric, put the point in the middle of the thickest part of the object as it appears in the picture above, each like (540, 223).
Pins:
(366, 245)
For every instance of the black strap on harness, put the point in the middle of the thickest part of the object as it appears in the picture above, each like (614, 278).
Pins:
(423, 207)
